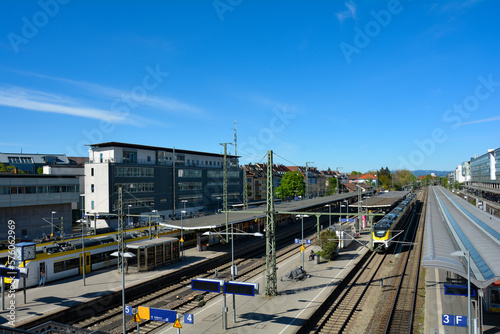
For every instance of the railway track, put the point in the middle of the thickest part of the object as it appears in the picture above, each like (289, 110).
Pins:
(340, 313)
(402, 314)
(180, 297)
(396, 307)
(377, 283)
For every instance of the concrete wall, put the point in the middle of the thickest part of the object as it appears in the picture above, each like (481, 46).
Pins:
(29, 220)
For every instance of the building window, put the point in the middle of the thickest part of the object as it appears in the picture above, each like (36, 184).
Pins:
(190, 186)
(130, 157)
(92, 205)
(91, 188)
(189, 173)
(92, 172)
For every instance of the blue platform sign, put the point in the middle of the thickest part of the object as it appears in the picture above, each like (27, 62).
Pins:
(461, 320)
(347, 220)
(458, 290)
(448, 319)
(188, 318)
(308, 241)
(9, 273)
(128, 310)
(454, 320)
(157, 314)
(297, 241)
(206, 284)
(241, 288)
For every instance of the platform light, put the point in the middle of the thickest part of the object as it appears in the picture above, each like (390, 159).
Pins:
(302, 240)
(127, 255)
(466, 254)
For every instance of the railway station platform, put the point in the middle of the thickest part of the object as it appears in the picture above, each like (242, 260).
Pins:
(454, 225)
(285, 313)
(281, 314)
(59, 295)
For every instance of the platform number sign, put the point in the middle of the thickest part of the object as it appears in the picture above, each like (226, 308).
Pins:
(454, 320)
(448, 320)
(188, 318)
(461, 320)
(128, 310)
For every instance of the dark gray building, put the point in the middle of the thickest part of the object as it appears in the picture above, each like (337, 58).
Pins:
(30, 200)
(168, 180)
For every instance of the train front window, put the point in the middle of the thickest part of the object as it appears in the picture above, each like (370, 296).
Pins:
(380, 230)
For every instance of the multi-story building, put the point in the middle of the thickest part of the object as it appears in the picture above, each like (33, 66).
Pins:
(484, 180)
(167, 180)
(35, 201)
(29, 163)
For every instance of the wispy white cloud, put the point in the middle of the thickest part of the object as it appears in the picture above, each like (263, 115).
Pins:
(455, 5)
(348, 13)
(486, 120)
(166, 104)
(21, 98)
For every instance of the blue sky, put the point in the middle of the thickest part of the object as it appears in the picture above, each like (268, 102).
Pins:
(351, 84)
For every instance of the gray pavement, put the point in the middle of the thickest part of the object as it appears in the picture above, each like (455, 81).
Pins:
(56, 296)
(284, 313)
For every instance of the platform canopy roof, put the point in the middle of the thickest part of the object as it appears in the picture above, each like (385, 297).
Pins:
(236, 216)
(452, 224)
(383, 200)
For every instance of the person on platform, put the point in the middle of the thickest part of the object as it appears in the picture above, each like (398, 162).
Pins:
(42, 277)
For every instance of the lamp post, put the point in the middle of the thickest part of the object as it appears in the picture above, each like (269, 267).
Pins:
(466, 254)
(183, 212)
(123, 256)
(52, 224)
(302, 240)
(128, 215)
(182, 236)
(233, 273)
(347, 209)
(83, 240)
(329, 216)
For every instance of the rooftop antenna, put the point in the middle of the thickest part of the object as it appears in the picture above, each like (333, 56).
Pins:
(235, 139)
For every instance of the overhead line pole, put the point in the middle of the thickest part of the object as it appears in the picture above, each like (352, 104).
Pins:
(245, 190)
(271, 276)
(224, 189)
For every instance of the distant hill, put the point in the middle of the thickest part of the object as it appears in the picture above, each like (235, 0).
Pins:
(418, 173)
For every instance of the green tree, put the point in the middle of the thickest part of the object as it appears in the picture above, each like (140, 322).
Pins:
(332, 186)
(402, 177)
(328, 241)
(356, 173)
(385, 182)
(6, 168)
(292, 183)
(369, 181)
(40, 170)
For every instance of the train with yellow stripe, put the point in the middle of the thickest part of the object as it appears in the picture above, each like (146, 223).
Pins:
(384, 231)
(64, 259)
